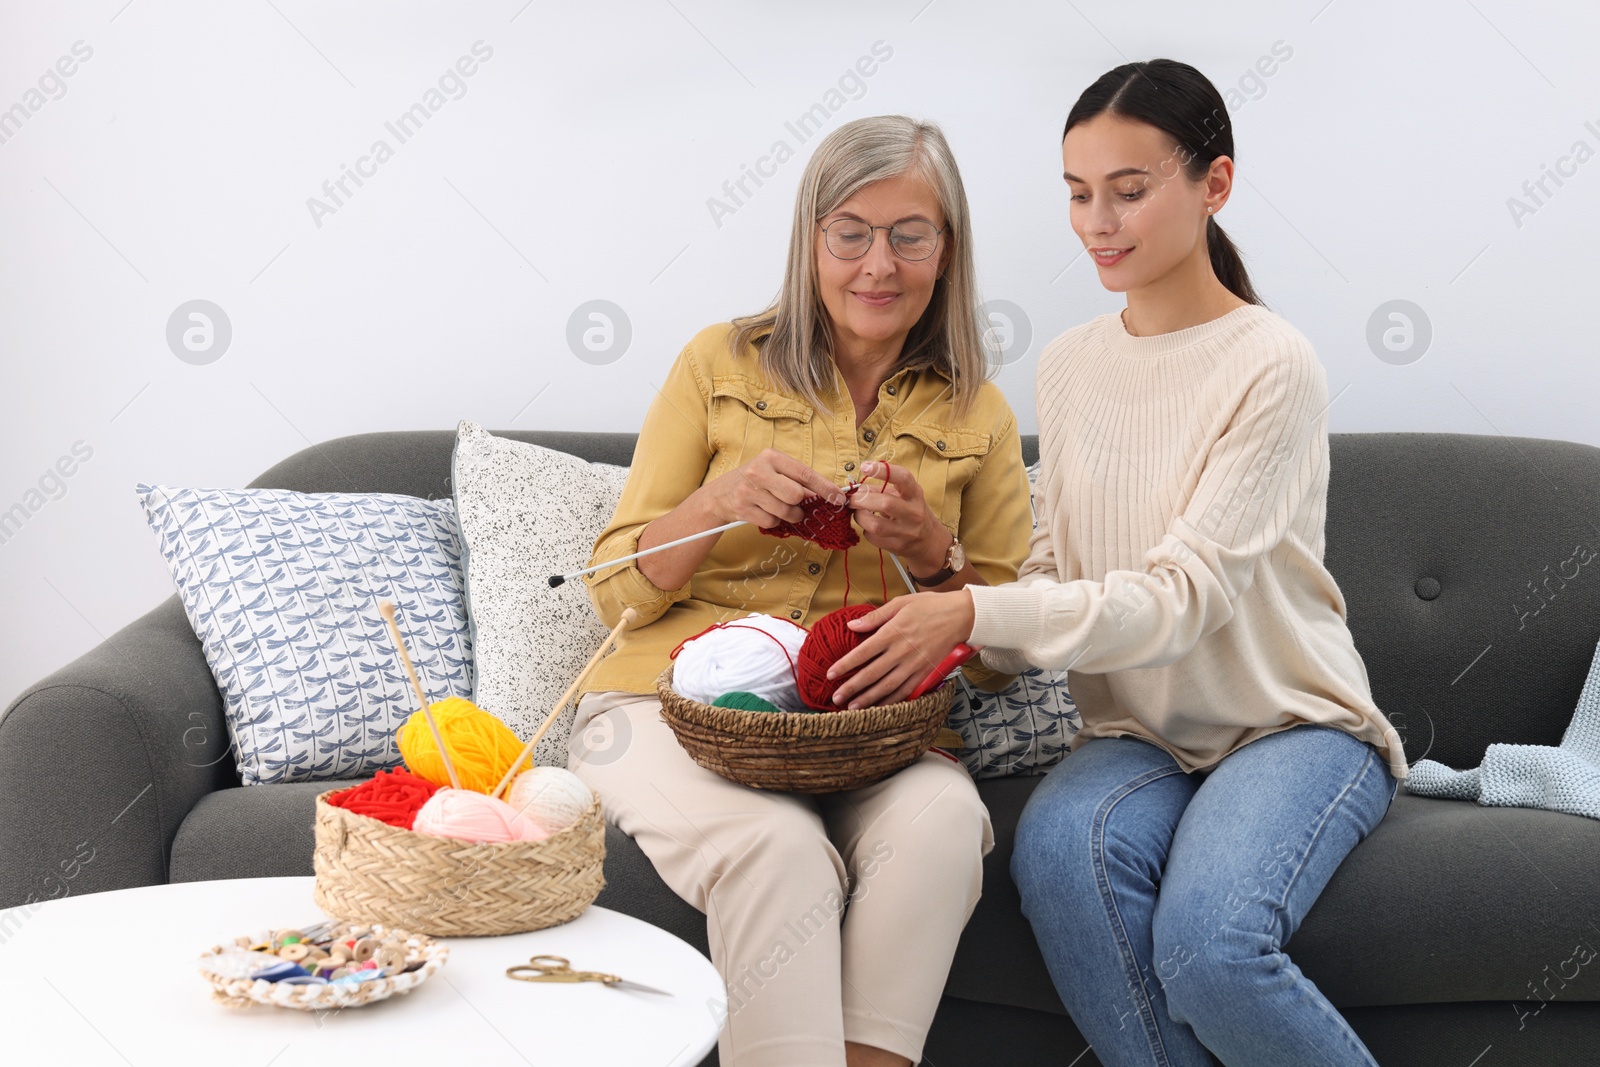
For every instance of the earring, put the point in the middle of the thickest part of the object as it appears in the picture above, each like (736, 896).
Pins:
(1209, 210)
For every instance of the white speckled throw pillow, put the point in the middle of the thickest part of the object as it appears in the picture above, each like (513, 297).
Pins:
(526, 513)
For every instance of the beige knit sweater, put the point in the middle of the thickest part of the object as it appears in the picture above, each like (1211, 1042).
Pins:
(1176, 567)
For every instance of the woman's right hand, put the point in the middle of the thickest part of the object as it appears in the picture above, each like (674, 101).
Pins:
(767, 490)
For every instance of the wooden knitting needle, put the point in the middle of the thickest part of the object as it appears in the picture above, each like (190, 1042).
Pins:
(386, 609)
(628, 616)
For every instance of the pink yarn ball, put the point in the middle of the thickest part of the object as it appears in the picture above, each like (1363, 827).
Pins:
(475, 817)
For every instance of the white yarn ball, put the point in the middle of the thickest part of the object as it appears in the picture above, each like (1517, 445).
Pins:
(551, 797)
(741, 655)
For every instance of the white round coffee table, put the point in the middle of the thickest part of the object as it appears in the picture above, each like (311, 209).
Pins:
(110, 978)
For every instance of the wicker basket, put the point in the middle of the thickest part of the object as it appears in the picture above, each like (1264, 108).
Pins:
(369, 871)
(805, 752)
(243, 992)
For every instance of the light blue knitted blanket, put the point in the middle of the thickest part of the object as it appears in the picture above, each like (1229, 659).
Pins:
(1566, 778)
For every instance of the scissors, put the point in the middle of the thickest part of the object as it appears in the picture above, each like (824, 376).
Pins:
(958, 655)
(558, 969)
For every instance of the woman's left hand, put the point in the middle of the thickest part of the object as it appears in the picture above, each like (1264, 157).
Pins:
(914, 634)
(895, 517)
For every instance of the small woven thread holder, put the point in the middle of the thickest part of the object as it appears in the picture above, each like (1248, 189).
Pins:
(244, 992)
(369, 871)
(805, 752)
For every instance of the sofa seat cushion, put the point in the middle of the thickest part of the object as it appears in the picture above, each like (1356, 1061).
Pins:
(257, 831)
(1444, 901)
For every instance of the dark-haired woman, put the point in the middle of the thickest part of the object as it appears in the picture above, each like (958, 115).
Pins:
(1231, 754)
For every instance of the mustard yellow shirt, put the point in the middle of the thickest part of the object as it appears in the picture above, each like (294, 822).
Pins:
(715, 412)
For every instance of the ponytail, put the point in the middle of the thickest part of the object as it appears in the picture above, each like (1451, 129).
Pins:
(1227, 264)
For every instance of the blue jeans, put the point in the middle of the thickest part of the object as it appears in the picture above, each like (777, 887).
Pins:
(1162, 899)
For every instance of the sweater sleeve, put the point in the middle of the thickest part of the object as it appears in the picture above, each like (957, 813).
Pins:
(1254, 482)
(1039, 566)
(994, 526)
(670, 460)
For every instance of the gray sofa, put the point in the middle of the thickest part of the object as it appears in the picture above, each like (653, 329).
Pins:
(1447, 938)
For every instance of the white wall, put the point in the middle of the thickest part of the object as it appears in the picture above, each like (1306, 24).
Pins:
(1375, 163)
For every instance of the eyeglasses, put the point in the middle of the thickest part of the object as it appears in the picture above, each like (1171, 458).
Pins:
(851, 238)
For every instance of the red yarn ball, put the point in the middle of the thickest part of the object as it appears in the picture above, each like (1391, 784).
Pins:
(392, 796)
(830, 639)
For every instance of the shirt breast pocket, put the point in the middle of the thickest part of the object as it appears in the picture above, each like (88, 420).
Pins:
(944, 460)
(747, 417)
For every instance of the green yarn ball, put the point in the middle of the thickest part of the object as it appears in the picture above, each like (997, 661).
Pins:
(744, 702)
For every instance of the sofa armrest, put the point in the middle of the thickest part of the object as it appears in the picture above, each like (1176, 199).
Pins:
(101, 762)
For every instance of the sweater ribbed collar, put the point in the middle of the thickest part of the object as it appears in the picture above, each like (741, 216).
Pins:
(1123, 343)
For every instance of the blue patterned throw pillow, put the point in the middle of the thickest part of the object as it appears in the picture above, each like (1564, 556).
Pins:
(1026, 727)
(282, 588)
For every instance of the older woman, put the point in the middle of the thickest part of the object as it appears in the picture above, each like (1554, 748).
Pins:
(867, 366)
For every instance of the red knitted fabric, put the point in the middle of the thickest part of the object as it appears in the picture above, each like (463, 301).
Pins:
(822, 524)
(392, 797)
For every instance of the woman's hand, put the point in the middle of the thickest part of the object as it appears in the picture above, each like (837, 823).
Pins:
(767, 490)
(896, 518)
(914, 634)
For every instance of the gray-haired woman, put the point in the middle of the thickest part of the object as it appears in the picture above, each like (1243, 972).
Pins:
(833, 919)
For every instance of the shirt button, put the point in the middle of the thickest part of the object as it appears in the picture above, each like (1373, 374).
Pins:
(869, 435)
(941, 446)
(761, 405)
(891, 390)
(849, 466)
(796, 614)
(814, 568)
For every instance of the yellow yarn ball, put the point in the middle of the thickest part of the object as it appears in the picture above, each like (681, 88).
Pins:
(481, 746)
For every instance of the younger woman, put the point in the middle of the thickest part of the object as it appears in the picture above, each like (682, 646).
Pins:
(1231, 754)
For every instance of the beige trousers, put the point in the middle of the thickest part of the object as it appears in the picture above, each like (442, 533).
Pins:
(774, 873)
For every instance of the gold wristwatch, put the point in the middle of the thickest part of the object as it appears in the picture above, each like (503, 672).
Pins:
(955, 558)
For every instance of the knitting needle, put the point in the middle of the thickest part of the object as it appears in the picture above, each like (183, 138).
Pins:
(628, 616)
(386, 609)
(940, 671)
(557, 579)
(901, 567)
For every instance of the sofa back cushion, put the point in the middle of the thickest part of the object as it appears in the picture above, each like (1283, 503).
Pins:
(1467, 563)
(1470, 568)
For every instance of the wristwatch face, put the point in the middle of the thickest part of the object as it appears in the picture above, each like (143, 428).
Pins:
(958, 555)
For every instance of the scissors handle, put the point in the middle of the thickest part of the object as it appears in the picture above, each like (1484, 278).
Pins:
(559, 969)
(546, 969)
(958, 655)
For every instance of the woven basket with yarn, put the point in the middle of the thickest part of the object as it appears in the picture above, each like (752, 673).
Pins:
(369, 871)
(805, 752)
